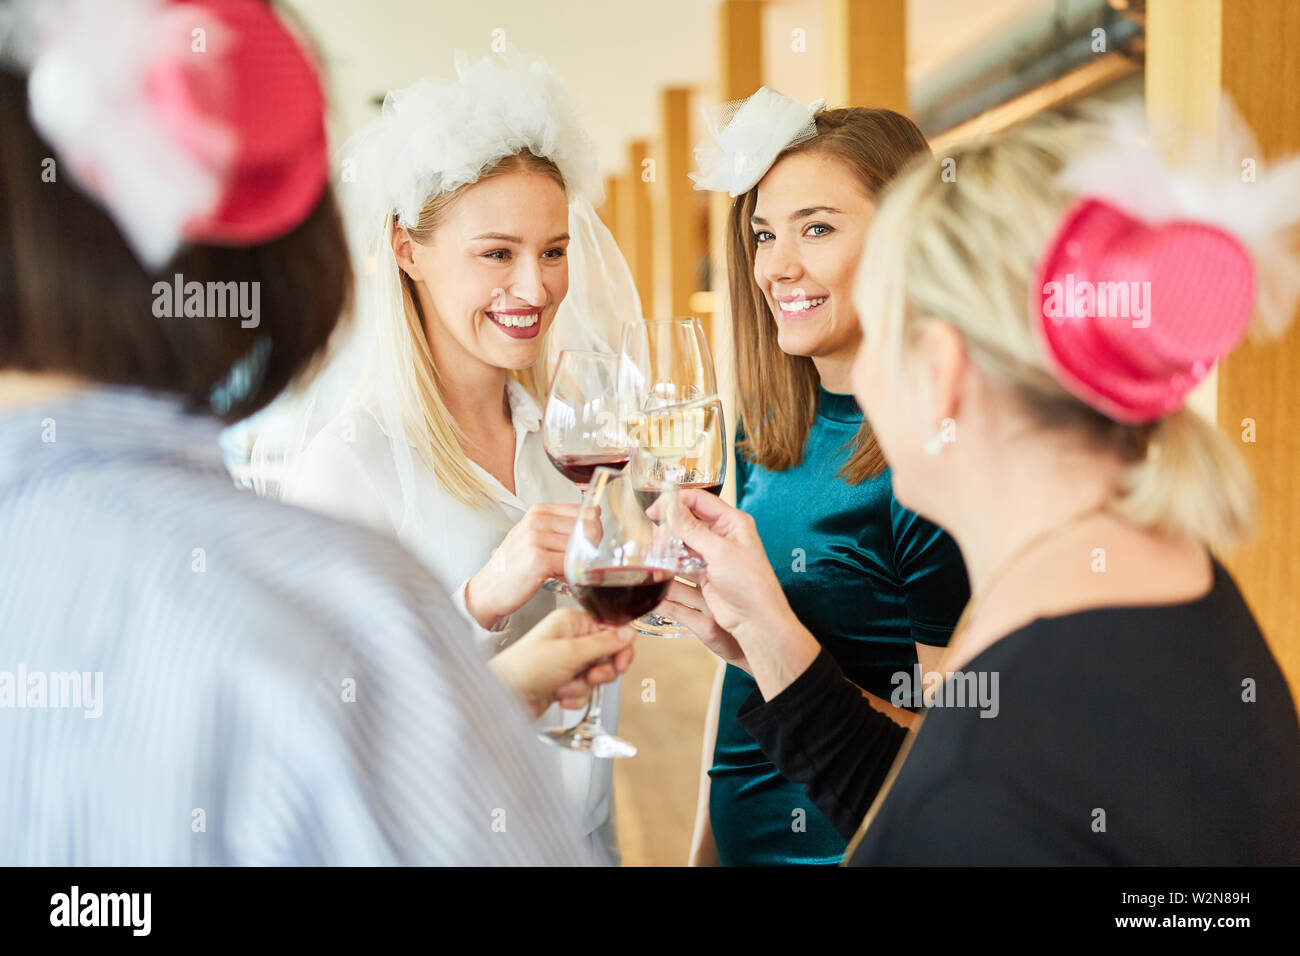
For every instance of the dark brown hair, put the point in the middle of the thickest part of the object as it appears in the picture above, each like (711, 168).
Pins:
(74, 299)
(874, 144)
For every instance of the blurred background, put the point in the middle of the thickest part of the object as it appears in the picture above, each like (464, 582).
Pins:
(641, 72)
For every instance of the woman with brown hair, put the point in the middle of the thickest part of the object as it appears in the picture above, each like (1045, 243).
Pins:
(878, 586)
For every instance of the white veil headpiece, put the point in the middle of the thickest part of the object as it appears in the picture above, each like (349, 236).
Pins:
(434, 137)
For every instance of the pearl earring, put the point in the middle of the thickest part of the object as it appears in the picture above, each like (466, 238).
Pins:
(934, 444)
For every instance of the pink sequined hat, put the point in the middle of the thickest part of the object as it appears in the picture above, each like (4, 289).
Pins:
(1132, 315)
(187, 120)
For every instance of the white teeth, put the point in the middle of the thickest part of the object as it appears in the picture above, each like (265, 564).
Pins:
(517, 321)
(801, 305)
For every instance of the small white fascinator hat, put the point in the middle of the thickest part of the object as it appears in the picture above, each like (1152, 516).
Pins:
(748, 135)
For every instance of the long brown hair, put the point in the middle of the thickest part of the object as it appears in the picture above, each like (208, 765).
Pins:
(875, 144)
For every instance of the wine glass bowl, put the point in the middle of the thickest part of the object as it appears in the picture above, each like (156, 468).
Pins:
(581, 428)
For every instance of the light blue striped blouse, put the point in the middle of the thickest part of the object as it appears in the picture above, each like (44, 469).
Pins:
(190, 674)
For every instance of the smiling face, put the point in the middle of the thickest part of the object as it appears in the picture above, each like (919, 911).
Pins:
(494, 270)
(810, 223)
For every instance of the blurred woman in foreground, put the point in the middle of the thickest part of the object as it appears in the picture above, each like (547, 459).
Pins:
(205, 677)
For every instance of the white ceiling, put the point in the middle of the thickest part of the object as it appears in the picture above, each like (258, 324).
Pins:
(615, 54)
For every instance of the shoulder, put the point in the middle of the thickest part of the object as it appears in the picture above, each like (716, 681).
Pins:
(347, 470)
(923, 550)
(1185, 674)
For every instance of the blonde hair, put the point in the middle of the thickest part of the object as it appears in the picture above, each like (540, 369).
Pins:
(964, 251)
(405, 354)
(874, 144)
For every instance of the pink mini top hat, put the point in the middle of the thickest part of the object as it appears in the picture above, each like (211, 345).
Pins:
(270, 101)
(1168, 256)
(195, 120)
(1132, 315)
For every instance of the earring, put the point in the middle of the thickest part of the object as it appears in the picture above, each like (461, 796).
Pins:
(934, 444)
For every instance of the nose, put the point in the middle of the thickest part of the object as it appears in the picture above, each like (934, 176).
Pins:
(526, 281)
(778, 263)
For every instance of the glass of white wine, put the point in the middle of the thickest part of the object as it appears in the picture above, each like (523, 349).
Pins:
(668, 390)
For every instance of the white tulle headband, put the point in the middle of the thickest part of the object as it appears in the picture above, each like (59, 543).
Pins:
(438, 135)
(748, 135)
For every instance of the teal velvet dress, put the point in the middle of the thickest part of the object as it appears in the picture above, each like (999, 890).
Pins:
(870, 579)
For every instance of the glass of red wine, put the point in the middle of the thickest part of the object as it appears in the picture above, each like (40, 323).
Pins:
(582, 428)
(618, 565)
(669, 391)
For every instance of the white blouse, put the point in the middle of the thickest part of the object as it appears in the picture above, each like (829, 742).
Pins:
(348, 471)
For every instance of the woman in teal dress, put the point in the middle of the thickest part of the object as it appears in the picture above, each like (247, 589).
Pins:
(880, 587)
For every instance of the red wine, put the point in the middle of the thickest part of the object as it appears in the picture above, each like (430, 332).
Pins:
(645, 497)
(618, 595)
(579, 468)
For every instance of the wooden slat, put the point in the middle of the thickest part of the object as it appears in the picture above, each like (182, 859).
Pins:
(1251, 50)
(867, 43)
(677, 243)
(636, 211)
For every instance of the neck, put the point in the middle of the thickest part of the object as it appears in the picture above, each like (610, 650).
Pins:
(27, 388)
(835, 371)
(997, 515)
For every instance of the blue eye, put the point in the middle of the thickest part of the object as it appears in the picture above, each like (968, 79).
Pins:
(821, 225)
(758, 236)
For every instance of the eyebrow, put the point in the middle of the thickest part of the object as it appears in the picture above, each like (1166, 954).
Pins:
(502, 237)
(799, 214)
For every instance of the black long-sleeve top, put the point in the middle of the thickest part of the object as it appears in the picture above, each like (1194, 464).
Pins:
(1145, 735)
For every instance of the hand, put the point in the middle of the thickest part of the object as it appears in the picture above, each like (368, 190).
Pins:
(742, 592)
(686, 605)
(531, 552)
(562, 658)
(739, 585)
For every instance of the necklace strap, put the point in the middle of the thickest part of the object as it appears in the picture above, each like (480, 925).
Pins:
(963, 622)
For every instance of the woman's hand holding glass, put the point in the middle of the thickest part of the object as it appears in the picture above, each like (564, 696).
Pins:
(562, 658)
(745, 619)
(532, 552)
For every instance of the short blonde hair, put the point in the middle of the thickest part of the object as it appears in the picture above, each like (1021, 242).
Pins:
(963, 250)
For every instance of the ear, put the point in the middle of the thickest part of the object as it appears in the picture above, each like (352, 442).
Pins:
(942, 359)
(403, 251)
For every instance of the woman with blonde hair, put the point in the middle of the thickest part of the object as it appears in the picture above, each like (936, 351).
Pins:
(1033, 329)
(471, 207)
(879, 586)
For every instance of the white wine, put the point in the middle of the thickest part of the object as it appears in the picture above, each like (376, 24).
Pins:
(674, 431)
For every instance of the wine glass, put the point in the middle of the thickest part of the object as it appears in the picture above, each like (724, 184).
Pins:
(703, 466)
(618, 564)
(581, 427)
(666, 362)
(668, 388)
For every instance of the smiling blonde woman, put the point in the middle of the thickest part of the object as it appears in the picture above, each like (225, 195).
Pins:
(470, 203)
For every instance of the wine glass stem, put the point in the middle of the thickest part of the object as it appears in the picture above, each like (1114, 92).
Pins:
(592, 716)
